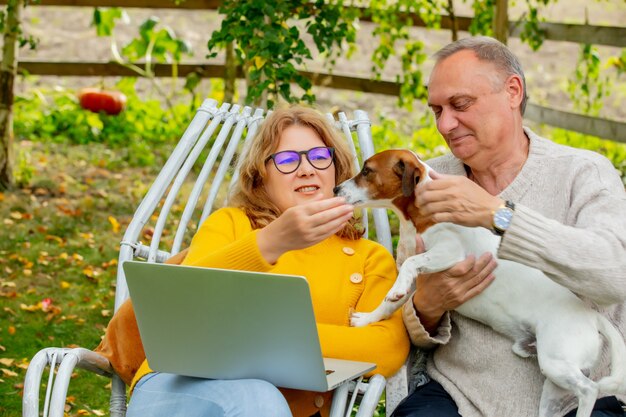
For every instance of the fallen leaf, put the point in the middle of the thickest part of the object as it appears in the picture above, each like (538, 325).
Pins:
(11, 331)
(148, 232)
(112, 262)
(68, 211)
(8, 294)
(1, 196)
(101, 193)
(16, 215)
(115, 224)
(105, 313)
(8, 372)
(32, 307)
(7, 361)
(65, 285)
(90, 272)
(57, 239)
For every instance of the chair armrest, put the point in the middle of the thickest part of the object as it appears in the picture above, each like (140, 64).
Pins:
(56, 390)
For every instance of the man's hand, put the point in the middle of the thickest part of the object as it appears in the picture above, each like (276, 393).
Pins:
(302, 226)
(443, 291)
(456, 199)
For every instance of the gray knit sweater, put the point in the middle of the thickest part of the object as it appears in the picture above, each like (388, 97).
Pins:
(570, 222)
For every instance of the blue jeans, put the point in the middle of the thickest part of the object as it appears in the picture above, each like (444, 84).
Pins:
(168, 395)
(431, 400)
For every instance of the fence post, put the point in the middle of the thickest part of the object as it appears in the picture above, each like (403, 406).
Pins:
(501, 21)
(8, 71)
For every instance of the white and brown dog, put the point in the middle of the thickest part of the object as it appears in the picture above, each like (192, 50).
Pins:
(542, 317)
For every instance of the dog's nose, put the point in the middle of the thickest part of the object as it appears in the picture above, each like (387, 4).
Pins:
(336, 190)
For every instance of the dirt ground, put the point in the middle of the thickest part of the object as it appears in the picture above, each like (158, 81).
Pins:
(66, 33)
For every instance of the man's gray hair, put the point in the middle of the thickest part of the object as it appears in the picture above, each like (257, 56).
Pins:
(491, 50)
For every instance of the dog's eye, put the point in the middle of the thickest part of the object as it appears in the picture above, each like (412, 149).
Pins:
(365, 171)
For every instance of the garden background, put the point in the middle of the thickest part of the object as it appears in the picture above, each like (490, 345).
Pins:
(78, 175)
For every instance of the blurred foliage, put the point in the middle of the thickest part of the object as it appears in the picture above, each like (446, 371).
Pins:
(589, 86)
(268, 42)
(138, 132)
(155, 43)
(393, 19)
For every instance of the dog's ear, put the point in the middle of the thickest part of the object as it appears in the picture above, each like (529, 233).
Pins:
(407, 172)
(410, 176)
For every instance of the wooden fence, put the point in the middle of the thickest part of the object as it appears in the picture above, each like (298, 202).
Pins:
(599, 35)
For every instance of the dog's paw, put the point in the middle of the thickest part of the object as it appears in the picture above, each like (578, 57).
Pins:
(394, 296)
(361, 319)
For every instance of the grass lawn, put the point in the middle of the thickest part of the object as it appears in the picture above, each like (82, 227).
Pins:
(58, 258)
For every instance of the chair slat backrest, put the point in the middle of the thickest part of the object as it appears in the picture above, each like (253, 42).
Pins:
(218, 133)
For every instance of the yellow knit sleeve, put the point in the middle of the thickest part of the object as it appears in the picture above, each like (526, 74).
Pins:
(226, 240)
(385, 343)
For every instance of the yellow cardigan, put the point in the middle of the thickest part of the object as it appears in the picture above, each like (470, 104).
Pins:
(343, 275)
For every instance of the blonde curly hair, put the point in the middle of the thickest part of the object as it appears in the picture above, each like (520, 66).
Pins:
(249, 192)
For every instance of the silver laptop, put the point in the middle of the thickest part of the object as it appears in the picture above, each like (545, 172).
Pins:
(223, 324)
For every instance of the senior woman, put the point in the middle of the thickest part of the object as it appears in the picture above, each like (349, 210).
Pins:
(282, 218)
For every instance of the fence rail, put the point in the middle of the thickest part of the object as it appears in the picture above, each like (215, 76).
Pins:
(596, 35)
(609, 129)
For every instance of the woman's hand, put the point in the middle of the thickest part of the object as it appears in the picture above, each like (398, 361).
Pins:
(302, 226)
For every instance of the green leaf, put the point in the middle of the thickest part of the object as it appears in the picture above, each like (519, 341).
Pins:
(104, 19)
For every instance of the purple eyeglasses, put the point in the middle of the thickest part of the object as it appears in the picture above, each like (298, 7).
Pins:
(320, 157)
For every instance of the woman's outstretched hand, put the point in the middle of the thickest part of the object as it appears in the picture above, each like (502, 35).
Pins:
(302, 226)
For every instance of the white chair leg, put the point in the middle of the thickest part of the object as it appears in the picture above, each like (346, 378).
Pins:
(340, 400)
(369, 402)
(117, 405)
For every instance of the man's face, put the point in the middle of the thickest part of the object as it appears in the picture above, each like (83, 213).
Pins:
(473, 106)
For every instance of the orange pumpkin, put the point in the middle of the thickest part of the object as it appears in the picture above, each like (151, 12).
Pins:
(97, 100)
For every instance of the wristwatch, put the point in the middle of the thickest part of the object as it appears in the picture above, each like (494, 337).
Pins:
(502, 218)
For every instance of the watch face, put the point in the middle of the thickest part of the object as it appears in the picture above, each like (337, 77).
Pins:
(502, 218)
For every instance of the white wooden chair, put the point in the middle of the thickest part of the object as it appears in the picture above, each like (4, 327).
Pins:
(217, 133)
